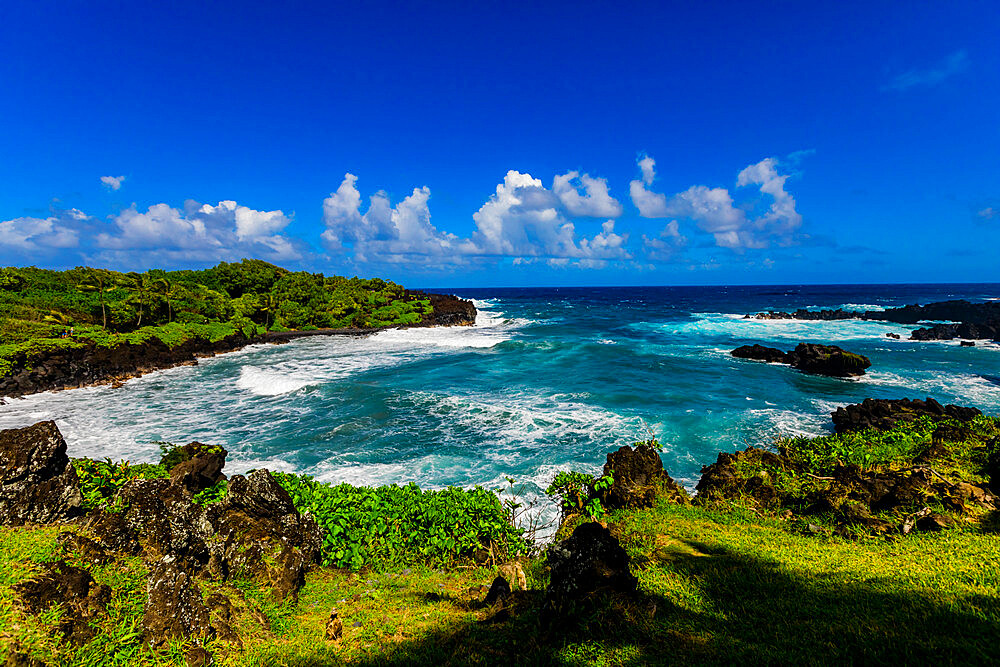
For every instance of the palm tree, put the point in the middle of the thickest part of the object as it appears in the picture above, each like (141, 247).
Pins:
(96, 281)
(166, 289)
(140, 283)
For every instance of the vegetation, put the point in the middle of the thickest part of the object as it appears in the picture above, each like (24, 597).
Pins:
(43, 311)
(720, 582)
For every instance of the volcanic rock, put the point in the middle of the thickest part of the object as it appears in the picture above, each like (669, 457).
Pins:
(759, 352)
(827, 360)
(885, 413)
(74, 590)
(38, 484)
(174, 606)
(200, 469)
(589, 563)
(638, 477)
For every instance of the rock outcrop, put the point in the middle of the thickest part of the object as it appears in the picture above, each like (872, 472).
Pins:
(809, 358)
(38, 484)
(588, 564)
(961, 319)
(196, 466)
(639, 477)
(883, 413)
(74, 590)
(449, 310)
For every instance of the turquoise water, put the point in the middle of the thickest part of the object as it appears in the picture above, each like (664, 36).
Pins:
(547, 379)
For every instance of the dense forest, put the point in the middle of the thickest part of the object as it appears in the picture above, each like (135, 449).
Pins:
(43, 310)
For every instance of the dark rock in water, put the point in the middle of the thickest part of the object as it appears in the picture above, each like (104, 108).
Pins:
(587, 564)
(883, 413)
(201, 468)
(809, 358)
(638, 478)
(811, 315)
(174, 607)
(74, 590)
(499, 590)
(827, 360)
(259, 533)
(968, 343)
(449, 310)
(893, 335)
(760, 353)
(38, 484)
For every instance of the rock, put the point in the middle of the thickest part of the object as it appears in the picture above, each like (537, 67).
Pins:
(895, 336)
(334, 627)
(87, 549)
(827, 360)
(811, 315)
(201, 468)
(934, 522)
(857, 514)
(723, 481)
(260, 534)
(513, 572)
(883, 414)
(638, 477)
(222, 614)
(74, 590)
(759, 353)
(174, 607)
(499, 590)
(38, 484)
(968, 343)
(197, 656)
(950, 433)
(448, 310)
(588, 564)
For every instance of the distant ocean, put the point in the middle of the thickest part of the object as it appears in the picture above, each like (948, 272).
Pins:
(547, 379)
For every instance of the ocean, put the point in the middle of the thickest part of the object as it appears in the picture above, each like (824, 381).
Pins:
(548, 379)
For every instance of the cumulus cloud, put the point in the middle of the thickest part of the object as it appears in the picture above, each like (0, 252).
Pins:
(954, 64)
(665, 246)
(521, 220)
(596, 202)
(200, 232)
(715, 212)
(113, 182)
(29, 234)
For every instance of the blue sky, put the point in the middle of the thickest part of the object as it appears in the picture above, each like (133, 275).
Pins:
(481, 144)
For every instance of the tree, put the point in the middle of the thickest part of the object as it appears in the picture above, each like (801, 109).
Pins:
(97, 281)
(141, 284)
(166, 289)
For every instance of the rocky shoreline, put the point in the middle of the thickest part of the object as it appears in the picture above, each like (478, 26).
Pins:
(94, 365)
(953, 319)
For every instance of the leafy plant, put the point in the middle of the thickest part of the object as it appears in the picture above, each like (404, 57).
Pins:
(578, 492)
(101, 480)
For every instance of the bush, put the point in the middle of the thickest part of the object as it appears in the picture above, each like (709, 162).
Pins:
(385, 526)
(100, 480)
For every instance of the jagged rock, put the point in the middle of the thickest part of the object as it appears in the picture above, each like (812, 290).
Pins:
(885, 413)
(86, 548)
(759, 353)
(174, 606)
(260, 534)
(222, 614)
(74, 589)
(589, 563)
(720, 481)
(934, 522)
(200, 469)
(827, 360)
(448, 310)
(38, 484)
(499, 589)
(157, 519)
(638, 478)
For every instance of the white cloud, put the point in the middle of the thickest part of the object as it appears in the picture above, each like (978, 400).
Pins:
(200, 232)
(650, 204)
(34, 234)
(715, 212)
(595, 203)
(113, 182)
(521, 220)
(954, 64)
(989, 213)
(665, 246)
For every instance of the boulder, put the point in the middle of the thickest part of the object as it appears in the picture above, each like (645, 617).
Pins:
(260, 534)
(38, 484)
(883, 413)
(827, 360)
(200, 469)
(722, 480)
(588, 564)
(760, 353)
(499, 589)
(174, 606)
(76, 593)
(638, 477)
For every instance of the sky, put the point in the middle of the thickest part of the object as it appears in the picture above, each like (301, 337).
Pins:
(507, 144)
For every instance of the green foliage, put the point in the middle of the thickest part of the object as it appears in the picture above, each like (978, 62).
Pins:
(579, 492)
(42, 310)
(392, 525)
(212, 494)
(100, 480)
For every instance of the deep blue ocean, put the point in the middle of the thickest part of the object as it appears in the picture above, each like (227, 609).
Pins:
(547, 379)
